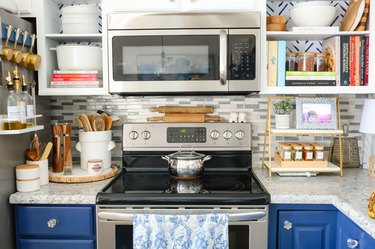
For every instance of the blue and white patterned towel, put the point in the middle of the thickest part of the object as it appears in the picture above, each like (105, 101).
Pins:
(209, 231)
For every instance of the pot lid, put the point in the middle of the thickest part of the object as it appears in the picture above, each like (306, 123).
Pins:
(186, 155)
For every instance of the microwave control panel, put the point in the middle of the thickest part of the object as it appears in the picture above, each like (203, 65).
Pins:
(242, 57)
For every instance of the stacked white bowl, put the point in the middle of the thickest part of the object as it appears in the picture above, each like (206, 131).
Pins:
(313, 14)
(80, 19)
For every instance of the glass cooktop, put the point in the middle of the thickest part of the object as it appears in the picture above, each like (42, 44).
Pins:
(220, 187)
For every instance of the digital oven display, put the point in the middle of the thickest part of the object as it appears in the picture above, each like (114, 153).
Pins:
(186, 135)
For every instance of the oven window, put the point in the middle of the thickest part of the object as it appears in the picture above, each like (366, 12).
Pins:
(238, 237)
(165, 58)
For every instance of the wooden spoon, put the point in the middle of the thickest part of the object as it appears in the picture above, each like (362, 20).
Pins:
(46, 151)
(7, 52)
(32, 155)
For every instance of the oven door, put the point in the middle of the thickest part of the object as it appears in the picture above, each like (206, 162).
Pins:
(247, 225)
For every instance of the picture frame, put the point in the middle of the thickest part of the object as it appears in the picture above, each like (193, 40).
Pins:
(316, 113)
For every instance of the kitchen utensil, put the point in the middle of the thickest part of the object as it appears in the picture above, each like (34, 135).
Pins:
(57, 156)
(7, 52)
(16, 53)
(99, 123)
(79, 123)
(79, 57)
(313, 16)
(85, 122)
(67, 150)
(362, 24)
(46, 151)
(352, 15)
(108, 121)
(186, 164)
(350, 151)
(23, 54)
(35, 144)
(33, 60)
(32, 155)
(371, 205)
(188, 118)
(183, 109)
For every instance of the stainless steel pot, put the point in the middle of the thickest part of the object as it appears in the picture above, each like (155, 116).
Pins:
(186, 164)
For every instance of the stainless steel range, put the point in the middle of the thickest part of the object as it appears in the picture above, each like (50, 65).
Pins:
(145, 185)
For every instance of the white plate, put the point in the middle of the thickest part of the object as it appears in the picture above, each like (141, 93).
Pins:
(361, 9)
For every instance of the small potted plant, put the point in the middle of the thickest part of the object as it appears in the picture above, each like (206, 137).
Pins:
(282, 111)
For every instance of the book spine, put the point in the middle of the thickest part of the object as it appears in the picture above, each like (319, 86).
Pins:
(362, 56)
(345, 58)
(310, 83)
(272, 63)
(296, 77)
(366, 67)
(74, 75)
(281, 60)
(74, 79)
(357, 62)
(301, 73)
(351, 60)
(56, 83)
(76, 72)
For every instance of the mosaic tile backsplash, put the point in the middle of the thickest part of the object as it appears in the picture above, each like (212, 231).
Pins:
(135, 109)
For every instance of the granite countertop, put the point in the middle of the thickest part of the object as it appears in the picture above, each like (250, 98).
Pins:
(349, 193)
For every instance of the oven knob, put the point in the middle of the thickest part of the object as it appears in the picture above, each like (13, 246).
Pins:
(227, 134)
(146, 135)
(133, 135)
(215, 134)
(240, 135)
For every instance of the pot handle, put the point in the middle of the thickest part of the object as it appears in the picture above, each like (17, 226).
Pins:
(166, 158)
(186, 146)
(111, 145)
(78, 146)
(206, 158)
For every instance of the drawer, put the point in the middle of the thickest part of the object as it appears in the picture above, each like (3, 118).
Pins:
(55, 221)
(55, 244)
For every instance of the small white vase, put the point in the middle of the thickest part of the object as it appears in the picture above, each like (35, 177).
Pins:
(282, 121)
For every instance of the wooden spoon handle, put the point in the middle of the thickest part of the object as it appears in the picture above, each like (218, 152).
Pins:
(46, 151)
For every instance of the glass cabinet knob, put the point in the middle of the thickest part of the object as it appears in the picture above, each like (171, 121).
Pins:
(52, 223)
(288, 225)
(352, 243)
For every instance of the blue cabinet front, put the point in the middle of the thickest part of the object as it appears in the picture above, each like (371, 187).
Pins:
(55, 244)
(307, 229)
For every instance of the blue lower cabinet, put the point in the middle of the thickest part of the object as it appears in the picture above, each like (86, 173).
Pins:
(349, 235)
(55, 226)
(307, 229)
(55, 244)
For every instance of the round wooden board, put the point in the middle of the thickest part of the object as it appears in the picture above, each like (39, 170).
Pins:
(80, 175)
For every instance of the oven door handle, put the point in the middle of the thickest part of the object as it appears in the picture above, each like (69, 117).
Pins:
(232, 217)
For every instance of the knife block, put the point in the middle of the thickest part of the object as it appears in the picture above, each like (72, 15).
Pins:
(62, 154)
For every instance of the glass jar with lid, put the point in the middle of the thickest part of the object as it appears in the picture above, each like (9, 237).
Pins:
(285, 151)
(318, 152)
(291, 61)
(320, 62)
(308, 152)
(306, 61)
(297, 152)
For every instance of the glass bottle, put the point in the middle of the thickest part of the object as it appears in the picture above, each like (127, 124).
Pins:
(21, 101)
(13, 111)
(291, 62)
(26, 96)
(320, 62)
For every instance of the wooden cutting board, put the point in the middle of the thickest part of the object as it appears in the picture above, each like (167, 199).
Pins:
(183, 109)
(362, 24)
(185, 118)
(351, 15)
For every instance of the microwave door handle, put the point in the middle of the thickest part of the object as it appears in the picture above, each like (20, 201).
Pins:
(223, 57)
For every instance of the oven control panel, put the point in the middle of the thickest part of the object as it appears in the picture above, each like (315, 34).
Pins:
(225, 136)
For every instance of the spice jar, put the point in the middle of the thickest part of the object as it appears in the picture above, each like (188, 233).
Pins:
(308, 152)
(306, 61)
(318, 152)
(320, 62)
(297, 152)
(285, 151)
(291, 62)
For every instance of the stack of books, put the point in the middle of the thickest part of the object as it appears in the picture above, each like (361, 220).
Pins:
(76, 79)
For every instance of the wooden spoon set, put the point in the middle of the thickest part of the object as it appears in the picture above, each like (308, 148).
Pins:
(184, 114)
(94, 122)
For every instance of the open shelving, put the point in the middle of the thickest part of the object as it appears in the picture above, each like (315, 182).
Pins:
(22, 131)
(274, 167)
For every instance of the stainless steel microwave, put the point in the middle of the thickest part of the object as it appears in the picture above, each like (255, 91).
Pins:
(183, 53)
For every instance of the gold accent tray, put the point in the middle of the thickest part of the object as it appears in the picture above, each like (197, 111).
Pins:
(299, 164)
(80, 175)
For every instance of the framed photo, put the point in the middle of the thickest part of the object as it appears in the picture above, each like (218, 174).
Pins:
(316, 113)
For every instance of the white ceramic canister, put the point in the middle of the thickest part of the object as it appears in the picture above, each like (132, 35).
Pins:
(94, 167)
(43, 170)
(28, 185)
(96, 145)
(27, 171)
